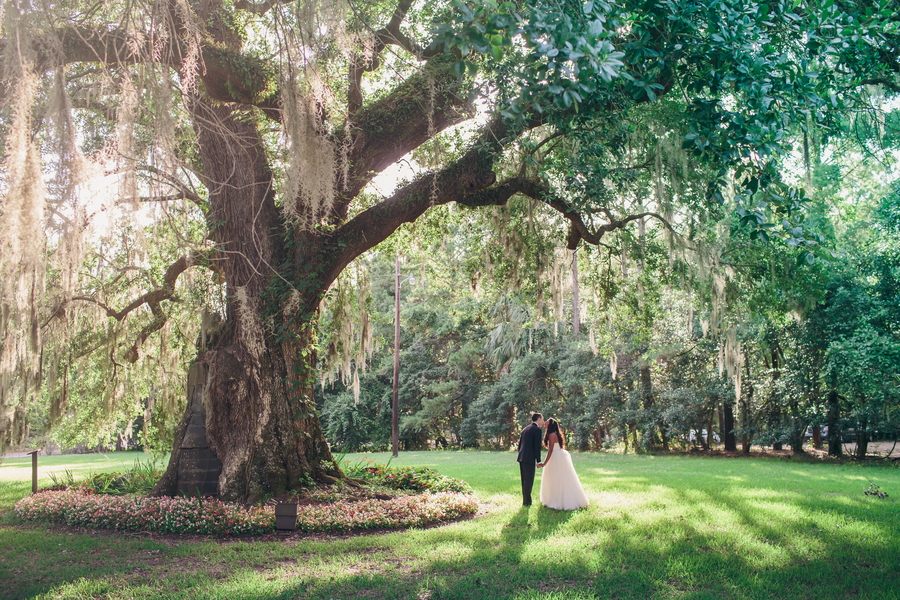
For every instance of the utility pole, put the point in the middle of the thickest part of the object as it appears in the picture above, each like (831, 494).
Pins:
(576, 317)
(395, 414)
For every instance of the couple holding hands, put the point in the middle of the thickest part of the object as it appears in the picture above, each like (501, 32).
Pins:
(560, 487)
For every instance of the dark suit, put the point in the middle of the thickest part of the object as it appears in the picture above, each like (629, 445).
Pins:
(529, 456)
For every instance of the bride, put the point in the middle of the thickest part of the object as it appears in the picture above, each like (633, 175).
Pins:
(560, 487)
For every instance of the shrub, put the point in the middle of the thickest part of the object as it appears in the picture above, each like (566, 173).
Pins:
(130, 482)
(139, 479)
(421, 479)
(407, 511)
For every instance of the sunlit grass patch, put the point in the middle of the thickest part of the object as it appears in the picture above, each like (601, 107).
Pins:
(657, 527)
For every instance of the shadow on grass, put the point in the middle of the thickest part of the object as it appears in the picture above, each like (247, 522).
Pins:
(713, 536)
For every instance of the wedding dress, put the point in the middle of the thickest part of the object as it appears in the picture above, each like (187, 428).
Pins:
(560, 487)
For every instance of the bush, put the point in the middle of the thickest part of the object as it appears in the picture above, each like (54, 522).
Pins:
(139, 479)
(422, 479)
(407, 511)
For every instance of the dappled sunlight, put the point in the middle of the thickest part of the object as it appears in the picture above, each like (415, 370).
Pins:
(655, 528)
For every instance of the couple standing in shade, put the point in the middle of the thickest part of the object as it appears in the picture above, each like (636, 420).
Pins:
(560, 487)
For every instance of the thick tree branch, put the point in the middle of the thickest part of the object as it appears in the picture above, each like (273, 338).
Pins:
(381, 39)
(227, 76)
(883, 82)
(386, 130)
(164, 292)
(467, 181)
(463, 182)
(133, 353)
(255, 8)
(152, 299)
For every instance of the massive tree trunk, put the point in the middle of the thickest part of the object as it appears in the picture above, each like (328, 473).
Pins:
(257, 401)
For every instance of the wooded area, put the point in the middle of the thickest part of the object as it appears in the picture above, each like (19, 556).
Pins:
(194, 183)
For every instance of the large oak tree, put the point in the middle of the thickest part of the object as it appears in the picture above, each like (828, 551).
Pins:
(274, 117)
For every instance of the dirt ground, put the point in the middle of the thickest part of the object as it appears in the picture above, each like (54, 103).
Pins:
(890, 449)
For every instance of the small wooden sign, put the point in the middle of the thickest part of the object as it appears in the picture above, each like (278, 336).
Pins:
(34, 478)
(286, 517)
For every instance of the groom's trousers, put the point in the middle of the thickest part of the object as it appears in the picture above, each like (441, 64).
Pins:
(527, 470)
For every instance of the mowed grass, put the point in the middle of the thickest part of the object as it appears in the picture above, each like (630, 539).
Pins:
(657, 527)
(15, 473)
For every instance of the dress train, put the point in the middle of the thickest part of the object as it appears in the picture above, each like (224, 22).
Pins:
(560, 486)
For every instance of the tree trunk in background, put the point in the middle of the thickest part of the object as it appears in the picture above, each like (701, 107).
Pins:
(817, 437)
(648, 401)
(744, 404)
(798, 429)
(576, 317)
(862, 439)
(773, 407)
(727, 429)
(597, 435)
(833, 416)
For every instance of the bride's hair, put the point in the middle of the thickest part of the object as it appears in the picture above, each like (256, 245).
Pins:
(553, 427)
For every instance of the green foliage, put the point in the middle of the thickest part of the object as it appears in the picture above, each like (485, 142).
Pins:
(140, 479)
(417, 479)
(560, 54)
(691, 114)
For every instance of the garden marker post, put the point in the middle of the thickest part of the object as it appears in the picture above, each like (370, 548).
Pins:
(34, 455)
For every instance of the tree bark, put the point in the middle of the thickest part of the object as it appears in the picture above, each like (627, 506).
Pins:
(728, 437)
(834, 434)
(862, 439)
(744, 404)
(817, 437)
(260, 416)
(576, 317)
(774, 409)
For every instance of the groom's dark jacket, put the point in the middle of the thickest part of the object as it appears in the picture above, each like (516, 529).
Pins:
(530, 445)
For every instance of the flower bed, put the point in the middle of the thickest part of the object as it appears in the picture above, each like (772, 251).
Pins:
(407, 511)
(419, 479)
(209, 516)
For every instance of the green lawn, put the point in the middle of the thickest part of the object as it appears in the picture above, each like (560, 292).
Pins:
(657, 527)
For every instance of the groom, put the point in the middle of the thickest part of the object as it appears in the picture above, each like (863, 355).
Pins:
(530, 455)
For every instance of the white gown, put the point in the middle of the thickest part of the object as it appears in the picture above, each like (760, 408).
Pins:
(560, 487)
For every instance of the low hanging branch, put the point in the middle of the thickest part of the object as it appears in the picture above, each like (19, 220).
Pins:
(152, 299)
(578, 230)
(164, 292)
(184, 192)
